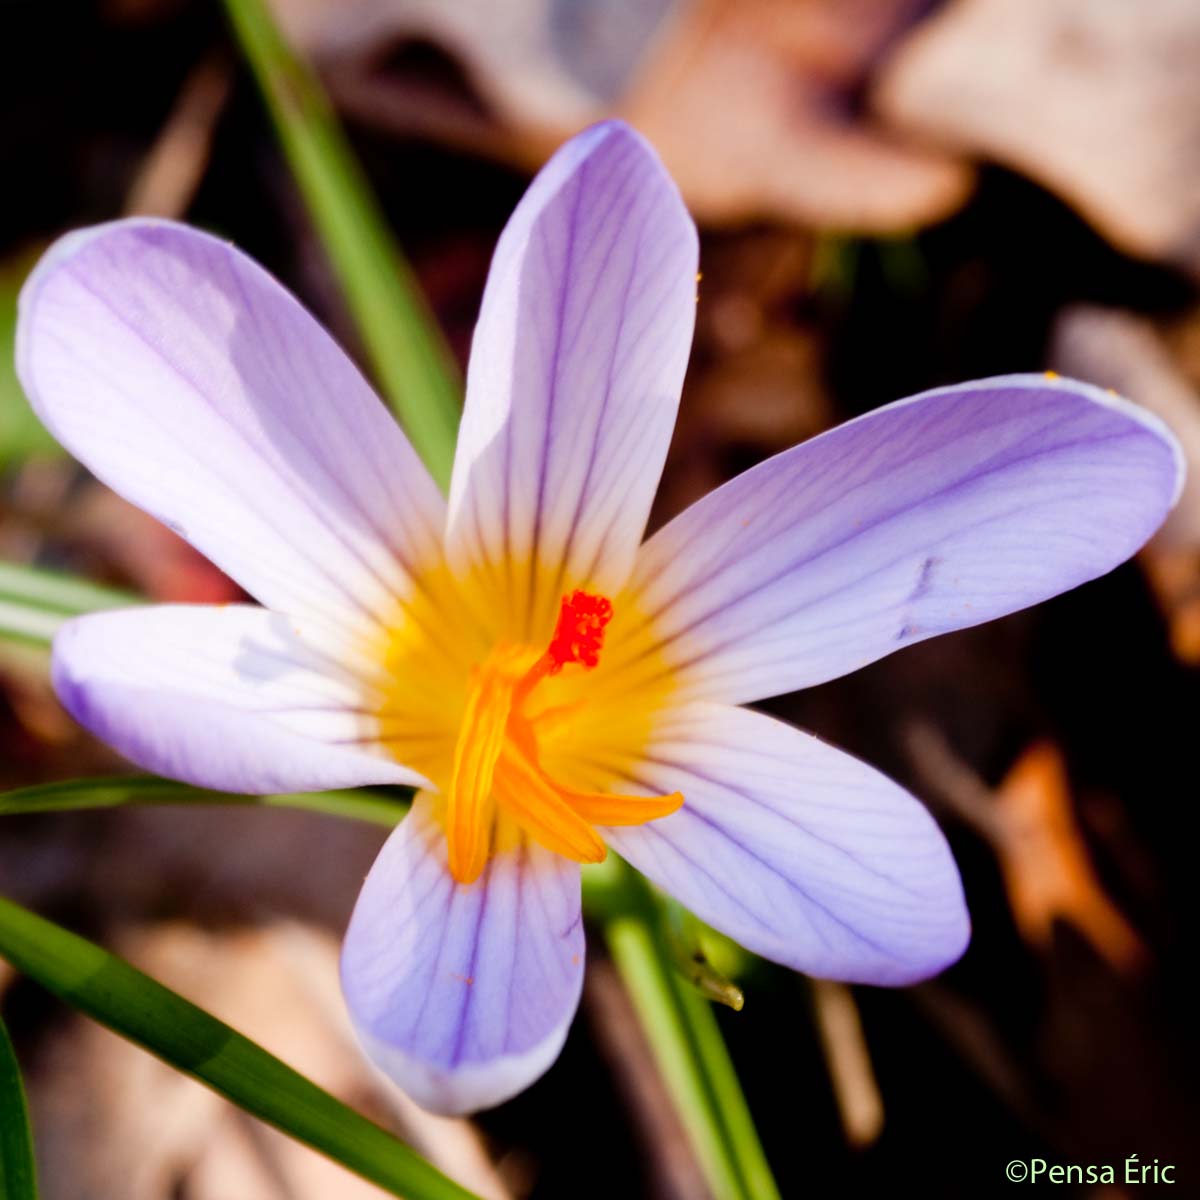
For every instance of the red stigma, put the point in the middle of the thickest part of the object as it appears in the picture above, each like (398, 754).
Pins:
(579, 634)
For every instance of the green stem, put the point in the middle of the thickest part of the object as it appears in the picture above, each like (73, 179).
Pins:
(701, 1018)
(686, 1041)
(137, 1007)
(649, 980)
(411, 362)
(18, 1178)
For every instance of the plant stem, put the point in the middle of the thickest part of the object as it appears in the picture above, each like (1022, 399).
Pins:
(413, 366)
(682, 1030)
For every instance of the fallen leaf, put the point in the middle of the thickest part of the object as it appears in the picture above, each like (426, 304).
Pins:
(753, 106)
(1097, 100)
(1047, 869)
(1138, 359)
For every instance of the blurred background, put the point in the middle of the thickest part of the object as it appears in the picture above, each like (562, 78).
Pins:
(892, 194)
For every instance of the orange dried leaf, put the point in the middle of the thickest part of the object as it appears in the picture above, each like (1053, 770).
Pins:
(1047, 868)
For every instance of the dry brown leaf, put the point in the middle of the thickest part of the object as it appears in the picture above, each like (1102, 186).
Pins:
(756, 383)
(1098, 100)
(1030, 822)
(1047, 869)
(1174, 575)
(468, 73)
(1131, 355)
(752, 103)
(1126, 353)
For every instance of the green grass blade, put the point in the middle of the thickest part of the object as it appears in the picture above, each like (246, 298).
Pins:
(132, 1004)
(18, 1180)
(379, 808)
(34, 602)
(725, 1088)
(412, 365)
(649, 979)
(54, 591)
(687, 1044)
(21, 623)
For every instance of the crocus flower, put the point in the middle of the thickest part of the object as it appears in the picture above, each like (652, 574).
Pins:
(550, 683)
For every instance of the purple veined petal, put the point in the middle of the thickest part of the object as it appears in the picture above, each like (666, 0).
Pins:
(932, 514)
(463, 994)
(576, 368)
(187, 379)
(235, 698)
(796, 850)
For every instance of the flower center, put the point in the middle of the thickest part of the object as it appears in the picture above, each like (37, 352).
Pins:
(496, 766)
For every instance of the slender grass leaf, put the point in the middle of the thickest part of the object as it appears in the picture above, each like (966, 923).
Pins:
(21, 623)
(35, 602)
(691, 1053)
(649, 979)
(132, 1004)
(414, 369)
(377, 807)
(725, 1089)
(18, 1180)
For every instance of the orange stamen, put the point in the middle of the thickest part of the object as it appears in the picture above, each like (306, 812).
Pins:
(601, 808)
(538, 805)
(469, 803)
(496, 756)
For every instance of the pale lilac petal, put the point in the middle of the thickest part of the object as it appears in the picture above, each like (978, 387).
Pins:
(187, 379)
(933, 514)
(234, 698)
(463, 994)
(575, 373)
(796, 850)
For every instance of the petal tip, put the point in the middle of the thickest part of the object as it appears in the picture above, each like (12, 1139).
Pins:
(68, 687)
(942, 953)
(615, 136)
(60, 254)
(1149, 421)
(462, 996)
(69, 245)
(921, 960)
(131, 677)
(1107, 398)
(464, 1089)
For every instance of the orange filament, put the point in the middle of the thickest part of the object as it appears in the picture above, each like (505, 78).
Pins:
(469, 801)
(496, 762)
